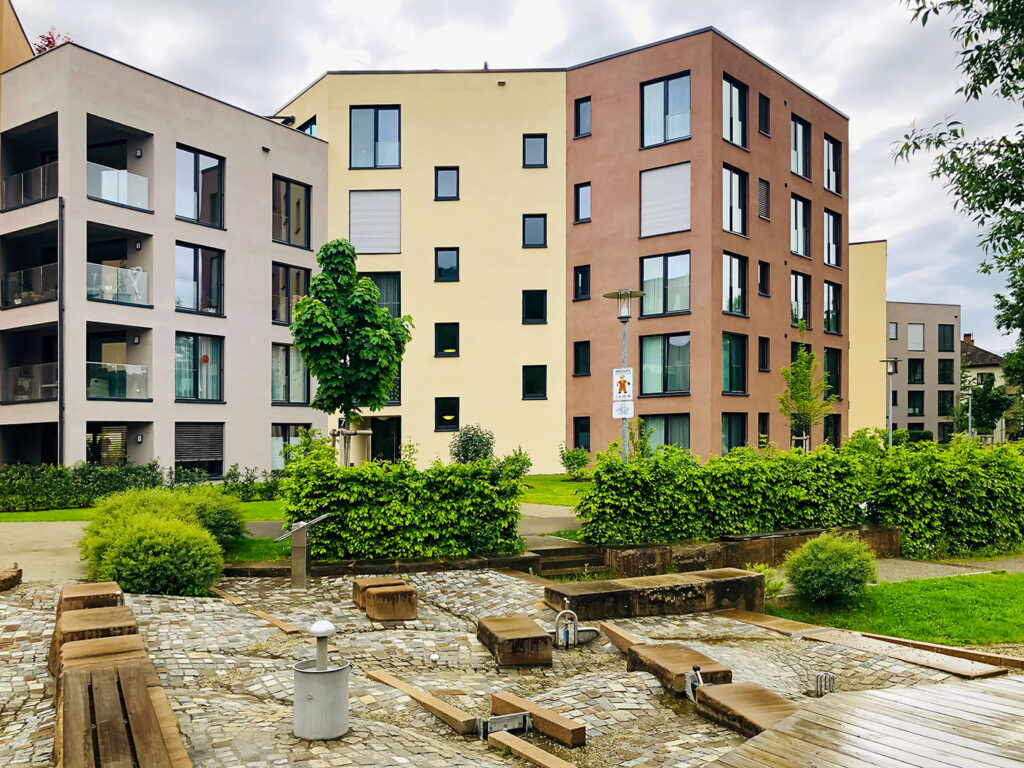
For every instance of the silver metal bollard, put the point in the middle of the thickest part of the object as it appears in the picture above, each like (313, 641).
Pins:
(321, 692)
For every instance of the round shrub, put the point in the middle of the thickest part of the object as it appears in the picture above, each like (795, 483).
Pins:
(218, 512)
(472, 443)
(162, 556)
(574, 461)
(832, 570)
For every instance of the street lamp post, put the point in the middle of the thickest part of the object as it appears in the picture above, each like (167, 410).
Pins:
(624, 298)
(891, 369)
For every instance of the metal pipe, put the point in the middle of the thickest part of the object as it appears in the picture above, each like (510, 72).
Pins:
(888, 377)
(625, 422)
(60, 330)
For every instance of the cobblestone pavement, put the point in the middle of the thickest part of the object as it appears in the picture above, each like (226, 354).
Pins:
(228, 675)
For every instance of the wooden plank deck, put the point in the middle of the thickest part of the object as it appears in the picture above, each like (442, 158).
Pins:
(966, 724)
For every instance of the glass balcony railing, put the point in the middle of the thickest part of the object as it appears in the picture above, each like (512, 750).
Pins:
(24, 383)
(116, 381)
(28, 286)
(39, 183)
(125, 286)
(117, 186)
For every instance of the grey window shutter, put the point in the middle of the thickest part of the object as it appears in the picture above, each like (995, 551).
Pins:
(375, 220)
(198, 441)
(665, 200)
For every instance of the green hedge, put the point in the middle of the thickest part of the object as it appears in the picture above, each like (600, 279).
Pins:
(385, 511)
(25, 488)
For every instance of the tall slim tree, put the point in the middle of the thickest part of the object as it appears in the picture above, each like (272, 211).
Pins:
(804, 401)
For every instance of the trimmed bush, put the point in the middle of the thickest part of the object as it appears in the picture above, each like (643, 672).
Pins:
(831, 570)
(772, 583)
(218, 512)
(574, 461)
(25, 488)
(472, 443)
(250, 484)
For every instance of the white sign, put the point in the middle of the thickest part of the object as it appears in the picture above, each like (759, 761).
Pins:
(622, 409)
(622, 384)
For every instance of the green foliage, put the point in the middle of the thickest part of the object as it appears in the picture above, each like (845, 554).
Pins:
(773, 585)
(471, 443)
(351, 344)
(989, 404)
(388, 511)
(640, 439)
(919, 435)
(249, 484)
(25, 487)
(247, 549)
(218, 512)
(831, 570)
(804, 401)
(574, 461)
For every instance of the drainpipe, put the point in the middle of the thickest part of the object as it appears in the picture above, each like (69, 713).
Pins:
(60, 330)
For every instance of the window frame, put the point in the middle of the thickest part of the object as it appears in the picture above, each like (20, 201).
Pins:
(796, 120)
(288, 351)
(952, 337)
(739, 417)
(442, 168)
(914, 396)
(534, 137)
(288, 206)
(731, 364)
(764, 109)
(665, 392)
(915, 365)
(832, 367)
(894, 330)
(796, 204)
(577, 346)
(763, 435)
(196, 185)
(664, 295)
(945, 402)
(458, 263)
(764, 195)
(438, 350)
(764, 268)
(533, 369)
(909, 339)
(195, 369)
(729, 260)
(288, 287)
(576, 133)
(454, 426)
(289, 431)
(577, 430)
(939, 378)
(832, 423)
(742, 205)
(832, 246)
(577, 272)
(219, 438)
(805, 299)
(577, 188)
(764, 354)
(833, 292)
(664, 81)
(544, 218)
(684, 418)
(731, 83)
(376, 134)
(196, 256)
(833, 150)
(544, 295)
(305, 127)
(380, 273)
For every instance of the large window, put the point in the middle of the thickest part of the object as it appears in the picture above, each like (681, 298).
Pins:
(535, 150)
(198, 367)
(915, 370)
(446, 183)
(199, 187)
(665, 108)
(535, 230)
(734, 111)
(581, 432)
(734, 284)
(945, 371)
(800, 147)
(289, 381)
(833, 226)
(288, 285)
(535, 307)
(666, 284)
(389, 285)
(665, 200)
(535, 382)
(581, 203)
(581, 111)
(734, 431)
(446, 265)
(581, 358)
(446, 414)
(375, 220)
(945, 402)
(375, 137)
(800, 298)
(800, 226)
(290, 219)
(280, 436)
(915, 403)
(833, 165)
(946, 338)
(665, 364)
(734, 200)
(446, 339)
(832, 306)
(199, 445)
(668, 429)
(764, 114)
(581, 283)
(915, 337)
(198, 279)
(833, 372)
(734, 362)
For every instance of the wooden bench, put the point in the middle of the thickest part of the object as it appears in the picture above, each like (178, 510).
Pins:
(77, 597)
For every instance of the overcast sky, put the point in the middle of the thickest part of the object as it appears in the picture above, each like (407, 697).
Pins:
(862, 56)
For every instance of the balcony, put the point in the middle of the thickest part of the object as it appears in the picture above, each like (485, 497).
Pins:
(117, 186)
(28, 383)
(24, 287)
(122, 286)
(116, 381)
(31, 186)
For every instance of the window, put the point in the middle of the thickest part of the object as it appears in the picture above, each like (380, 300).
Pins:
(734, 284)
(945, 402)
(894, 331)
(915, 370)
(764, 114)
(535, 307)
(764, 278)
(446, 183)
(389, 285)
(764, 351)
(287, 285)
(665, 200)
(198, 279)
(833, 165)
(762, 430)
(308, 127)
(915, 426)
(981, 378)
(800, 226)
(945, 338)
(833, 227)
(446, 414)
(664, 364)
(581, 431)
(832, 307)
(833, 372)
(833, 434)
(581, 358)
(734, 200)
(446, 265)
(290, 217)
(800, 298)
(915, 403)
(895, 399)
(734, 362)
(945, 432)
(665, 281)
(945, 372)
(764, 199)
(582, 118)
(289, 381)
(535, 150)
(280, 436)
(535, 230)
(581, 283)
(375, 137)
(915, 337)
(734, 431)
(446, 339)
(199, 445)
(535, 382)
(800, 147)
(734, 111)
(375, 220)
(665, 110)
(794, 350)
(199, 187)
(581, 206)
(668, 429)
(198, 367)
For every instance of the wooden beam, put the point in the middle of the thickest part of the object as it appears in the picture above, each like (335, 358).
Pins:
(572, 733)
(224, 595)
(621, 638)
(284, 626)
(461, 722)
(504, 740)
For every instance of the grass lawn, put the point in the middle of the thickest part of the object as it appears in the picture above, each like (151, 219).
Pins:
(252, 550)
(553, 489)
(958, 610)
(253, 510)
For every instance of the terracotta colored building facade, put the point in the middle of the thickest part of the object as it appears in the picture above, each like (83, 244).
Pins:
(699, 174)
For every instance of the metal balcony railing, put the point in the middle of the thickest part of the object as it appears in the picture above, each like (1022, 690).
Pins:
(24, 383)
(116, 381)
(28, 286)
(125, 286)
(117, 186)
(39, 183)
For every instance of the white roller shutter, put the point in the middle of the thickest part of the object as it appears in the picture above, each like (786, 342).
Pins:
(375, 220)
(665, 200)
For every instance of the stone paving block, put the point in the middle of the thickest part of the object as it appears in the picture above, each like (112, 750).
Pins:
(747, 708)
(516, 640)
(9, 578)
(397, 603)
(359, 586)
(77, 597)
(733, 588)
(591, 599)
(668, 594)
(669, 662)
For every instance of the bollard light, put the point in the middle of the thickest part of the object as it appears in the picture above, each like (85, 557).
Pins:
(322, 630)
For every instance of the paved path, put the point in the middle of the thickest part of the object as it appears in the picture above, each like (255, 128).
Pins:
(45, 551)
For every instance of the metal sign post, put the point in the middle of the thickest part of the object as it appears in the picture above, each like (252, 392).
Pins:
(300, 550)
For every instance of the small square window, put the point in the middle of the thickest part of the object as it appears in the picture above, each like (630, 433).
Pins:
(446, 339)
(535, 307)
(535, 150)
(535, 382)
(446, 414)
(581, 358)
(446, 183)
(581, 432)
(581, 207)
(446, 265)
(582, 118)
(581, 283)
(535, 230)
